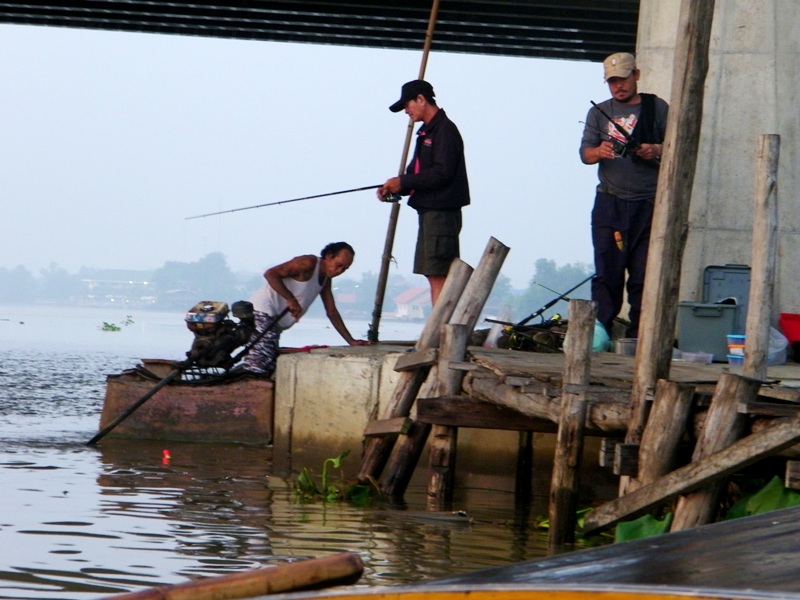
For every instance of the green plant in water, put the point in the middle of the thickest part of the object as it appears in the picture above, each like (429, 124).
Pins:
(307, 489)
(114, 327)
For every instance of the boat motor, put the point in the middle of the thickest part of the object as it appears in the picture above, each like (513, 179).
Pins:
(215, 335)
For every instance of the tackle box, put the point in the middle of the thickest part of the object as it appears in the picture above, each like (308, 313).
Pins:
(704, 326)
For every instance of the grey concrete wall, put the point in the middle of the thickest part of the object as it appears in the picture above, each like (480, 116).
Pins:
(751, 89)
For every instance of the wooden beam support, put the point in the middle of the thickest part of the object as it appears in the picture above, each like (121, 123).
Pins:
(396, 426)
(724, 424)
(757, 446)
(462, 411)
(626, 459)
(572, 422)
(668, 421)
(378, 449)
(414, 360)
(671, 212)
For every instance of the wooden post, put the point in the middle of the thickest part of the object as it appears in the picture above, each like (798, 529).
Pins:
(665, 427)
(569, 442)
(466, 312)
(765, 246)
(670, 217)
(386, 257)
(480, 285)
(377, 449)
(523, 475)
(724, 425)
(442, 458)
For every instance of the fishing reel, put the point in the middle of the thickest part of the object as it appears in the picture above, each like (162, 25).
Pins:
(624, 149)
(215, 335)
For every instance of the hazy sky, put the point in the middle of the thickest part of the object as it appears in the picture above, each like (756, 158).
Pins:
(110, 140)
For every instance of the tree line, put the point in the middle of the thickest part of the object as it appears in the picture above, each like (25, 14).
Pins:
(179, 285)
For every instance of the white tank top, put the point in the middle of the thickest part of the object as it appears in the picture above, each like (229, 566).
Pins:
(267, 300)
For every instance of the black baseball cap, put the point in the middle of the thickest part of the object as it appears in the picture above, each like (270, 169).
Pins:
(411, 90)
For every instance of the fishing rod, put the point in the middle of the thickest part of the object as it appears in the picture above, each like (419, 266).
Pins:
(388, 198)
(547, 306)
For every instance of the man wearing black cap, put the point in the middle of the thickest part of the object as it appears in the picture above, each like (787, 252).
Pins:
(435, 181)
(628, 165)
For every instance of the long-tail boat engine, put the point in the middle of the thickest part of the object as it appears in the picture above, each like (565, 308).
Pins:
(215, 335)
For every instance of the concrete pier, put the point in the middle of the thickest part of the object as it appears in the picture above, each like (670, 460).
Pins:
(325, 398)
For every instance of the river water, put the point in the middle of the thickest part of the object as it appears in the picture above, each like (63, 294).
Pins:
(89, 522)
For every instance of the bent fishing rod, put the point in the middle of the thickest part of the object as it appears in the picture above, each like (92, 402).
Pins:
(388, 198)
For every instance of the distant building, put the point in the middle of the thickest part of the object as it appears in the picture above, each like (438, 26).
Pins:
(414, 303)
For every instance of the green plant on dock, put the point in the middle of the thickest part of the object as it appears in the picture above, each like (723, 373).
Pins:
(307, 489)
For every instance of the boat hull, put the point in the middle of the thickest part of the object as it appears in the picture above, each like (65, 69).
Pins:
(236, 411)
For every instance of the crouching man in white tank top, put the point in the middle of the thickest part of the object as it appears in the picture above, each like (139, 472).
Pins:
(295, 285)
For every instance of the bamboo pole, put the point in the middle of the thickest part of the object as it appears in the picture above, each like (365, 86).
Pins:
(670, 217)
(315, 573)
(569, 441)
(386, 257)
(765, 248)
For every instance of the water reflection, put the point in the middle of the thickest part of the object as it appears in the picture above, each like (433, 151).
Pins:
(84, 522)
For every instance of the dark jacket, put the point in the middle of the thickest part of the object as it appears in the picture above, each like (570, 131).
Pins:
(436, 178)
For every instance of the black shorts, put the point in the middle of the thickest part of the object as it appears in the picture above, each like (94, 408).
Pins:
(437, 241)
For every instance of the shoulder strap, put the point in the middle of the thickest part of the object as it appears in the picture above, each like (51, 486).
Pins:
(645, 131)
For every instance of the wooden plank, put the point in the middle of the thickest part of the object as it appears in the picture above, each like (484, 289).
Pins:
(746, 451)
(768, 409)
(396, 426)
(414, 360)
(462, 411)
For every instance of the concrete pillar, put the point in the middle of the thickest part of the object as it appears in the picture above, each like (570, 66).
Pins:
(751, 89)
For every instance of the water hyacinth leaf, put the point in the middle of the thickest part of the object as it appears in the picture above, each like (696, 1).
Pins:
(771, 497)
(643, 527)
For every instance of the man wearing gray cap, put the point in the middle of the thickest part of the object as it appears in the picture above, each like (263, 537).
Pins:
(435, 181)
(624, 136)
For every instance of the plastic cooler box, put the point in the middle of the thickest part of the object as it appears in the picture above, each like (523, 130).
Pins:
(704, 326)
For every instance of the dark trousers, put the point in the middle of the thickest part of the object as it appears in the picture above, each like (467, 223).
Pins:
(630, 221)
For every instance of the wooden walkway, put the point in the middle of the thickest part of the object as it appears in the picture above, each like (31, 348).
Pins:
(730, 421)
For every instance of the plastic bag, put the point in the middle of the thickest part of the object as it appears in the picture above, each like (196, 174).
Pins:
(777, 347)
(601, 342)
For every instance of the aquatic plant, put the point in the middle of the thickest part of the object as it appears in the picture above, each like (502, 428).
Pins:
(106, 326)
(307, 489)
